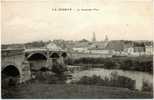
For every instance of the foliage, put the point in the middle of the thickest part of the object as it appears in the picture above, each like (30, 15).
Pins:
(49, 77)
(147, 87)
(58, 68)
(144, 64)
(116, 81)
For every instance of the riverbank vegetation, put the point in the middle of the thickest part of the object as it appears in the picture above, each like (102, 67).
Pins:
(142, 63)
(115, 81)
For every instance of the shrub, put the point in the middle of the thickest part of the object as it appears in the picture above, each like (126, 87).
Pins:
(116, 81)
(51, 78)
(122, 81)
(147, 87)
(40, 76)
(43, 69)
(69, 61)
(9, 82)
(58, 68)
(90, 80)
(110, 64)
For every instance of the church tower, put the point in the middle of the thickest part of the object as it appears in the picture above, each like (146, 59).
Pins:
(106, 38)
(94, 37)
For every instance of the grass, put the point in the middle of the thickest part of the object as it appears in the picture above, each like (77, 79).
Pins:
(39, 90)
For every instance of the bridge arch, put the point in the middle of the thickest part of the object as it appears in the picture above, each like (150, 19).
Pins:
(37, 61)
(37, 56)
(11, 70)
(10, 75)
(64, 54)
(54, 55)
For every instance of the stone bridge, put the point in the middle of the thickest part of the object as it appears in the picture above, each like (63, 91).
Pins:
(21, 63)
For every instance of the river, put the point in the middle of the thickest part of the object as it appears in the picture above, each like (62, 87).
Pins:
(139, 77)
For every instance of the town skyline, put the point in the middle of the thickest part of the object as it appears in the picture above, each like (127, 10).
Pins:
(81, 39)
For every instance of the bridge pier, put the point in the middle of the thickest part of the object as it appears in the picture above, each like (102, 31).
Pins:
(26, 73)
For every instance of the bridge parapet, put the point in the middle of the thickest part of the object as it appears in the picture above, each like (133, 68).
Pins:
(45, 52)
(11, 52)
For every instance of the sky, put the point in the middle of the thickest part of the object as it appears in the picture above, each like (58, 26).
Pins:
(32, 20)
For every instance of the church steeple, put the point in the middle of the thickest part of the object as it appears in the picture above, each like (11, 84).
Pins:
(106, 38)
(94, 37)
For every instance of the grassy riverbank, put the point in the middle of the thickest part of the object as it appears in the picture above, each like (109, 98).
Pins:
(43, 90)
(142, 63)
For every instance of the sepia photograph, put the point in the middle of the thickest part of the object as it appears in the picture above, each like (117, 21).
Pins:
(77, 49)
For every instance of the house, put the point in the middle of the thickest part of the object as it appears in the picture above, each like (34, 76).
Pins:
(98, 48)
(115, 47)
(134, 49)
(149, 48)
(139, 49)
(128, 48)
(53, 47)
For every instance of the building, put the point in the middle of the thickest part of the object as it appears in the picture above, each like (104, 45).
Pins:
(137, 49)
(94, 37)
(81, 47)
(116, 47)
(98, 47)
(106, 38)
(128, 48)
(149, 48)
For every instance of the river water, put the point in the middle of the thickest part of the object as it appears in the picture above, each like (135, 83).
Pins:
(139, 77)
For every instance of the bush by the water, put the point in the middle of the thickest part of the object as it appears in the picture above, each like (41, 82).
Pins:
(49, 77)
(9, 82)
(144, 64)
(147, 87)
(116, 81)
(58, 68)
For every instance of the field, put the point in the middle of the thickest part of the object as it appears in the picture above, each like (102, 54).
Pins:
(39, 90)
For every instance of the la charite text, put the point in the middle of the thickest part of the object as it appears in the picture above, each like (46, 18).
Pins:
(77, 9)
